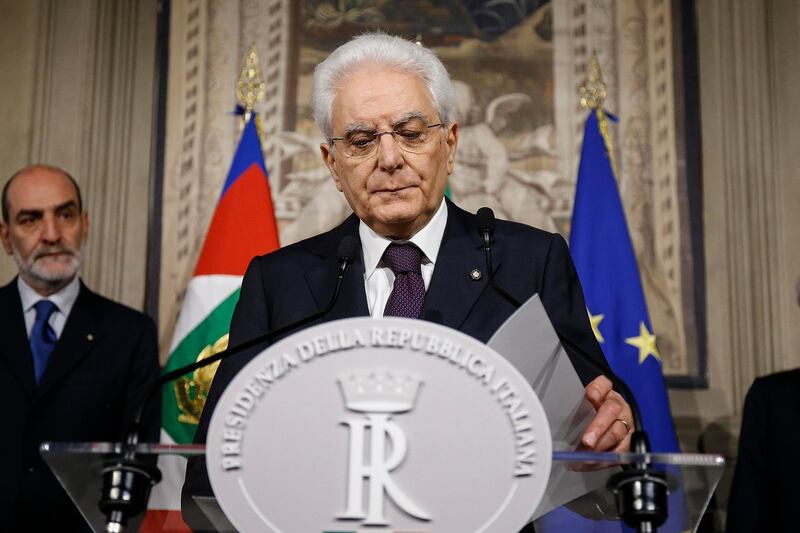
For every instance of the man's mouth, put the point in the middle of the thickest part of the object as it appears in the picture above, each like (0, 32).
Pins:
(394, 189)
(53, 255)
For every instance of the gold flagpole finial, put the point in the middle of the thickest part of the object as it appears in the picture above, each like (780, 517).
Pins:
(593, 95)
(593, 90)
(250, 87)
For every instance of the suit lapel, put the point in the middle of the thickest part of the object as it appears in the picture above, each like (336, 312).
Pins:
(15, 348)
(79, 336)
(321, 279)
(453, 292)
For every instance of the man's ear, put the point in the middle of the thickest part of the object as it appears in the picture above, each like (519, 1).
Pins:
(452, 144)
(330, 161)
(85, 224)
(4, 237)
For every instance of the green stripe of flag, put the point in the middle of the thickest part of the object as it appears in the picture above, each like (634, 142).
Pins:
(207, 332)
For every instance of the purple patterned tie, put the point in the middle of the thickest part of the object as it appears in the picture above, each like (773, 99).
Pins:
(408, 292)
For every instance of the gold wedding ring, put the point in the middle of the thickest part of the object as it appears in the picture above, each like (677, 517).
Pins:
(627, 427)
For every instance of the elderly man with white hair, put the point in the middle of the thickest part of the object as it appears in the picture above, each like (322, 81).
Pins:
(387, 110)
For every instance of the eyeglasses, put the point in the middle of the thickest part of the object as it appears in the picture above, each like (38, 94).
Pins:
(411, 136)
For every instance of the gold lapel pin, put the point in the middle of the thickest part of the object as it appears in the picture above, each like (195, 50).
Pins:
(475, 274)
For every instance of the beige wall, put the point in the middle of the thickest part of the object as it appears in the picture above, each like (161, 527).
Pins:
(749, 72)
(77, 92)
(18, 29)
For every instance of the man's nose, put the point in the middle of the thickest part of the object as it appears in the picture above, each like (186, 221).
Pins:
(51, 232)
(390, 157)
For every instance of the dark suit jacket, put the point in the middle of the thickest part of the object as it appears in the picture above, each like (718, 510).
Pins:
(97, 376)
(298, 280)
(766, 481)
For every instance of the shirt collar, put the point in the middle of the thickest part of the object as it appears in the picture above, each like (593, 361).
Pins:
(428, 239)
(64, 299)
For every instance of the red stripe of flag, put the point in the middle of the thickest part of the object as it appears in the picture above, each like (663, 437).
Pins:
(163, 521)
(242, 227)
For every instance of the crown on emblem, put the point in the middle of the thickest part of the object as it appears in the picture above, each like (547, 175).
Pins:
(379, 391)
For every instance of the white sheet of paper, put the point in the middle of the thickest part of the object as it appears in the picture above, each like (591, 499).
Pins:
(527, 339)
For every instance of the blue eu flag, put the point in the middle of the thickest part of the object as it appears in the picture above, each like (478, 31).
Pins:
(601, 248)
(603, 254)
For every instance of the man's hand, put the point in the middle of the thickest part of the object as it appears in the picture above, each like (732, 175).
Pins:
(612, 426)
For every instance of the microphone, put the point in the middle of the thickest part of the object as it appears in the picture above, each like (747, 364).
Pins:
(641, 491)
(126, 480)
(486, 222)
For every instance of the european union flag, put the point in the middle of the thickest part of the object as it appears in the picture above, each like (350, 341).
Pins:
(603, 254)
(601, 248)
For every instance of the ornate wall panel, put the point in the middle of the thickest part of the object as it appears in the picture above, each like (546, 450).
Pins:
(639, 44)
(500, 161)
(208, 39)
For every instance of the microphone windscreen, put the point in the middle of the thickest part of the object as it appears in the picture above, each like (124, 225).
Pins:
(485, 219)
(347, 248)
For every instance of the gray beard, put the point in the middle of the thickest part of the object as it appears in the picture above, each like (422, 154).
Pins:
(33, 270)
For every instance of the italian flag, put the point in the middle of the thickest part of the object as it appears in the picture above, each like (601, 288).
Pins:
(243, 226)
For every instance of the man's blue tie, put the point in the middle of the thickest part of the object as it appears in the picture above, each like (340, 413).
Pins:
(43, 338)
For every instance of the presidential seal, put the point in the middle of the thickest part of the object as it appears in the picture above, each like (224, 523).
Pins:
(382, 424)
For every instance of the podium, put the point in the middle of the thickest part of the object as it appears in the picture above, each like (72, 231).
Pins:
(318, 431)
(693, 477)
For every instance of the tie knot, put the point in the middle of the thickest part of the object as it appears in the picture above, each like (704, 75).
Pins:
(403, 258)
(44, 308)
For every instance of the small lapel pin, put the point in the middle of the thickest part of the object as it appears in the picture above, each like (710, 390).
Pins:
(89, 337)
(475, 274)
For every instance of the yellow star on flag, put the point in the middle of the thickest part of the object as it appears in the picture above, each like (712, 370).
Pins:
(595, 320)
(646, 342)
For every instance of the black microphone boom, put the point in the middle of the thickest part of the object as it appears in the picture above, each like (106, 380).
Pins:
(486, 222)
(641, 492)
(126, 480)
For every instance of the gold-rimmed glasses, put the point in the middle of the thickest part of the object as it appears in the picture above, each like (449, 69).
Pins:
(411, 136)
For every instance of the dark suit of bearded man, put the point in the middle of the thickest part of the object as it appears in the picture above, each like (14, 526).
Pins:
(74, 366)
(96, 379)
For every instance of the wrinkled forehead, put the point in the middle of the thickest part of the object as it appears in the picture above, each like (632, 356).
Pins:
(380, 96)
(40, 189)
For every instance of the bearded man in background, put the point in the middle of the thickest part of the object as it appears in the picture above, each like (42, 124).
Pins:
(74, 366)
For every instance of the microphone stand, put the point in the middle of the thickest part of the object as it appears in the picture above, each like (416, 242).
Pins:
(127, 481)
(640, 491)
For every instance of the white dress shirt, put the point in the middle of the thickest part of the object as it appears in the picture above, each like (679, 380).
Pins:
(379, 279)
(64, 300)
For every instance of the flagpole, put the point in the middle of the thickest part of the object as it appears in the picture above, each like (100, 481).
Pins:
(641, 491)
(593, 95)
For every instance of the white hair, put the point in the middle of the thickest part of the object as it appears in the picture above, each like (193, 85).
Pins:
(385, 50)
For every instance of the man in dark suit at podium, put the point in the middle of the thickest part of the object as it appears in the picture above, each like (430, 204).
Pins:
(386, 107)
(74, 366)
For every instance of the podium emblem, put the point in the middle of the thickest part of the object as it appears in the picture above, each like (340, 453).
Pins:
(378, 394)
(383, 425)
